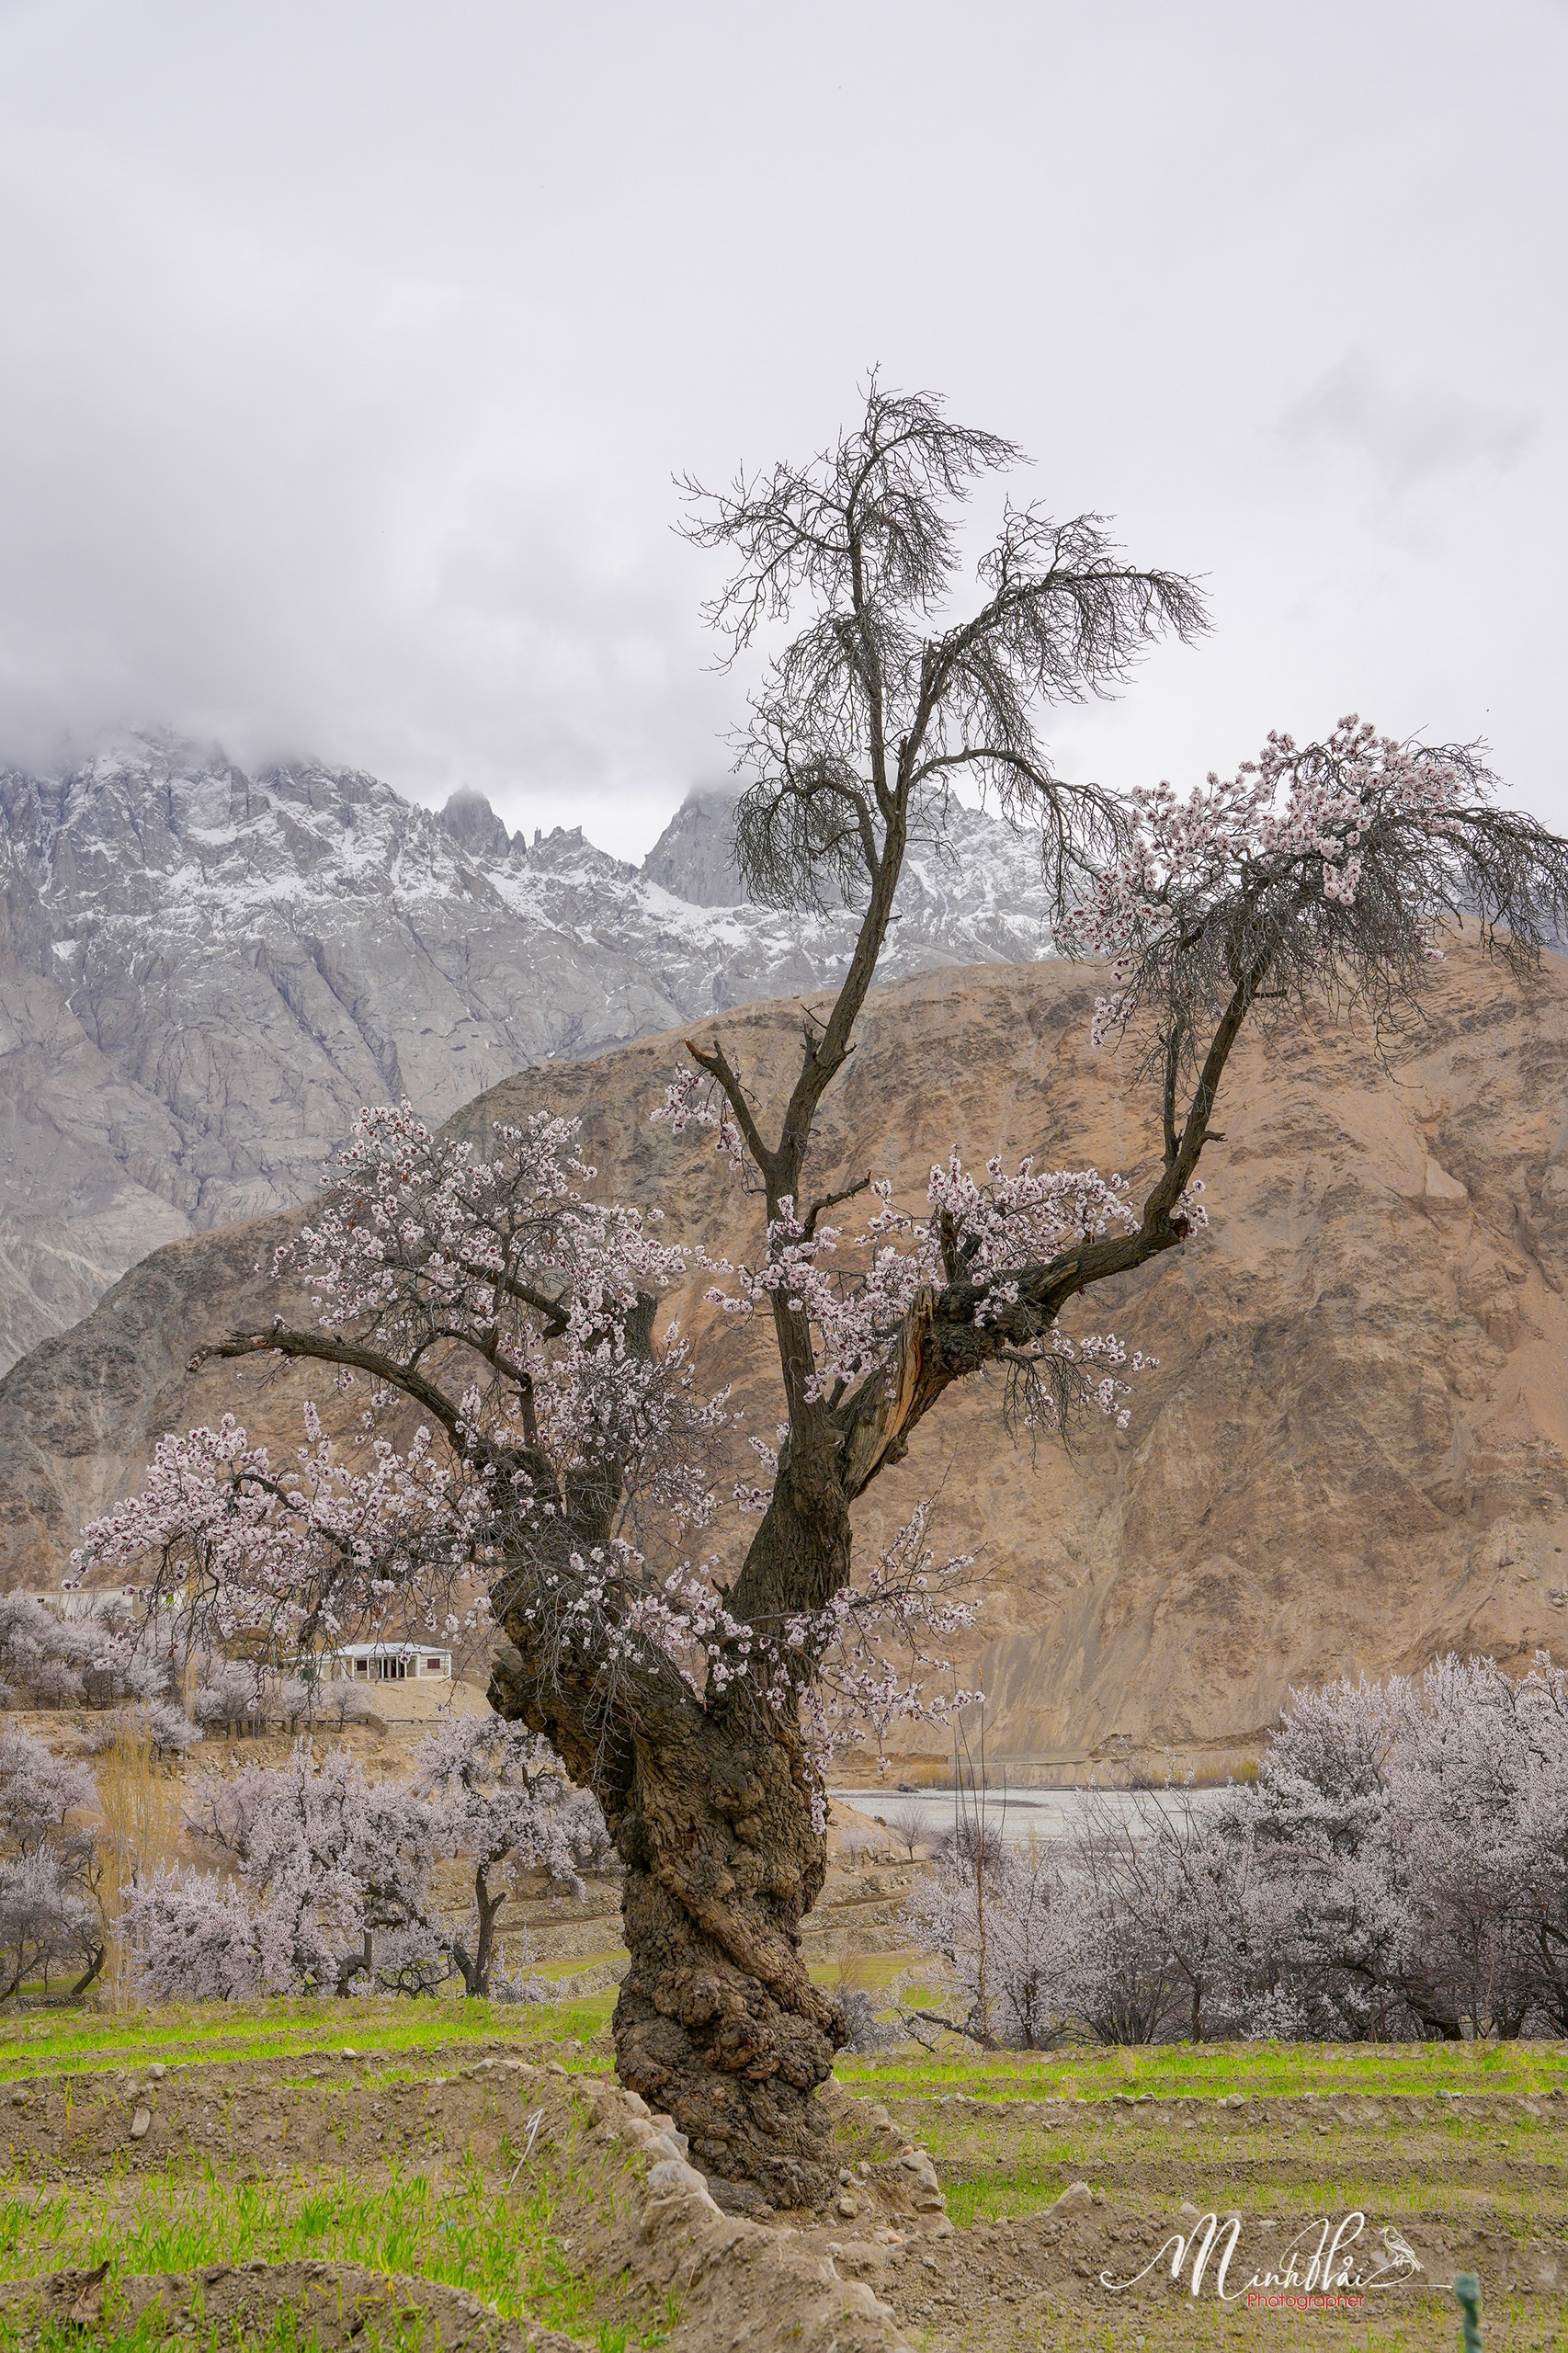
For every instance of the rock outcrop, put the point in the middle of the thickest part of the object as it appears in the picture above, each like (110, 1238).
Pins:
(1353, 1452)
(204, 974)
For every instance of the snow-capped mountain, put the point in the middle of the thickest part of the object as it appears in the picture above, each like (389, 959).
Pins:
(204, 973)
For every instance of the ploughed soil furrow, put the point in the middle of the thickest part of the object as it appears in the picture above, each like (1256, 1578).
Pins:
(1070, 2222)
(257, 2116)
(334, 2304)
(1091, 2214)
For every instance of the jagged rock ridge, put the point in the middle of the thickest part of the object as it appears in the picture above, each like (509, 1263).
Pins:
(203, 975)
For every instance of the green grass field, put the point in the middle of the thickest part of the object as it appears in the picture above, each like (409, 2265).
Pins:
(1008, 2132)
(151, 2334)
(464, 2225)
(466, 2232)
(1218, 2069)
(1461, 2165)
(78, 2040)
(84, 2041)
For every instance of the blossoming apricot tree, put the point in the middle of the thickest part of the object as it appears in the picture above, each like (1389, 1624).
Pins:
(562, 1468)
(334, 1866)
(1396, 1872)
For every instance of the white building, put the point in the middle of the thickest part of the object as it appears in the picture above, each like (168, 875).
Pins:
(74, 1599)
(388, 1663)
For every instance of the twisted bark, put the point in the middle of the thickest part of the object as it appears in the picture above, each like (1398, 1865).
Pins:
(718, 2022)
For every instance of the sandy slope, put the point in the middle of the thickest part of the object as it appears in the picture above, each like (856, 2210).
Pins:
(1354, 1452)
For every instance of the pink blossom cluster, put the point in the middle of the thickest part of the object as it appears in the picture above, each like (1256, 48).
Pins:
(1000, 1915)
(692, 1099)
(986, 1232)
(326, 1885)
(853, 1318)
(1026, 1219)
(103, 1661)
(219, 1516)
(499, 1796)
(422, 1243)
(139, 1671)
(301, 1549)
(418, 1225)
(1292, 811)
(50, 1919)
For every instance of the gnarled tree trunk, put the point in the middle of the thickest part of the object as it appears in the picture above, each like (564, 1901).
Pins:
(709, 1805)
(718, 2019)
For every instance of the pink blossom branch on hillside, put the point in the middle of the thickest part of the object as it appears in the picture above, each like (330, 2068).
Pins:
(307, 1549)
(853, 1318)
(302, 1550)
(1324, 867)
(422, 1246)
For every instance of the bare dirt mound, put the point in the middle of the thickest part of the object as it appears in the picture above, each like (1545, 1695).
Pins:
(257, 2117)
(1393, 2194)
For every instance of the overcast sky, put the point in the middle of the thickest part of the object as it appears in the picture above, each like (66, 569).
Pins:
(346, 352)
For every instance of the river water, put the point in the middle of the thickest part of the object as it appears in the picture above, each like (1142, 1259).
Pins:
(1015, 1815)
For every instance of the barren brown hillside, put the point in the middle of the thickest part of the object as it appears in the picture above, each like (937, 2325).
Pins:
(1354, 1452)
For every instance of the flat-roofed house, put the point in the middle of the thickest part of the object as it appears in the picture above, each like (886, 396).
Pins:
(389, 1663)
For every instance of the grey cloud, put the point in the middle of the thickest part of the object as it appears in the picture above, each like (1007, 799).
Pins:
(346, 356)
(1411, 436)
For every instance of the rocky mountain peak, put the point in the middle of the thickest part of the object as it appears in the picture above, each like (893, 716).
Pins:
(206, 970)
(473, 825)
(694, 857)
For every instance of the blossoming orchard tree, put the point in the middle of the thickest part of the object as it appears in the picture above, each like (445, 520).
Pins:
(565, 1460)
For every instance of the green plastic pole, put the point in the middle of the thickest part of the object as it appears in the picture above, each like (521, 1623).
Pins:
(1466, 2288)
